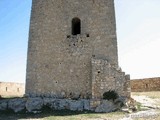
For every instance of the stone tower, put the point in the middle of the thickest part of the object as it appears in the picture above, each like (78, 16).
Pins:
(72, 50)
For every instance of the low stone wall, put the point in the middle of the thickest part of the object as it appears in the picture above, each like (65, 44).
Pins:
(144, 85)
(8, 89)
(37, 104)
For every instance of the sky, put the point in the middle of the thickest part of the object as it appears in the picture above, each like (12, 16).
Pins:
(138, 36)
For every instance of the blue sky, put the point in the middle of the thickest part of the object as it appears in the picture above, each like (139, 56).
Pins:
(14, 26)
(138, 23)
(138, 35)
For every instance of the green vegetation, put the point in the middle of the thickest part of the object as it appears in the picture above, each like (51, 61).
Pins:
(139, 106)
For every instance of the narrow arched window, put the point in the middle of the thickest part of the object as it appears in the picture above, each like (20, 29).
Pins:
(76, 26)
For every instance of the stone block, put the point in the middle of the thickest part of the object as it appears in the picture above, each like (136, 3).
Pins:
(105, 107)
(33, 104)
(3, 105)
(76, 105)
(17, 105)
(86, 104)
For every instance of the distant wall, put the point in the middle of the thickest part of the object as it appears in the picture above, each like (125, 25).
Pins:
(11, 89)
(147, 84)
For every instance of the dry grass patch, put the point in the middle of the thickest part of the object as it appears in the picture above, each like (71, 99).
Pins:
(155, 95)
(89, 116)
(152, 94)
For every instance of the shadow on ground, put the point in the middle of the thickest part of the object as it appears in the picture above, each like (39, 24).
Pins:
(10, 115)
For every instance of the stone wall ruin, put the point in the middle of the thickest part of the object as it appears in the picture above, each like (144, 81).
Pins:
(145, 85)
(8, 89)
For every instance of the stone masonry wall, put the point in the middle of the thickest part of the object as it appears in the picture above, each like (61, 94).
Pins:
(8, 89)
(106, 77)
(144, 85)
(59, 63)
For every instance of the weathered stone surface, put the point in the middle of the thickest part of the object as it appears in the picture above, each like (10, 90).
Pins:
(120, 101)
(106, 106)
(76, 105)
(9, 89)
(73, 55)
(147, 84)
(63, 104)
(86, 104)
(17, 105)
(106, 77)
(60, 104)
(3, 104)
(34, 104)
(48, 101)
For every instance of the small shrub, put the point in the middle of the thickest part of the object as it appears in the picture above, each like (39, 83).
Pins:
(139, 106)
(110, 95)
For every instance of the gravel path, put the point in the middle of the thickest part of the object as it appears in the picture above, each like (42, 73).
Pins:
(147, 102)
(142, 114)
